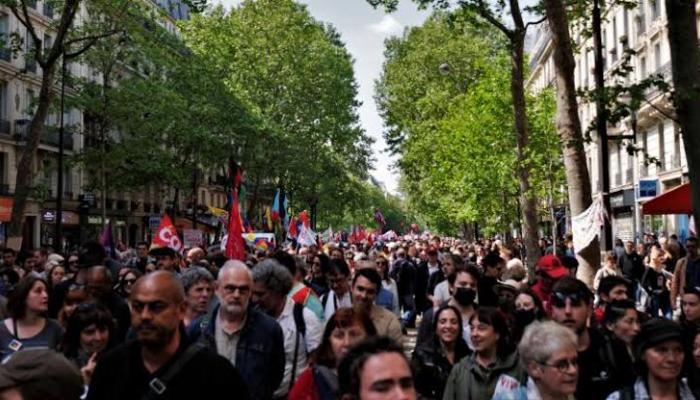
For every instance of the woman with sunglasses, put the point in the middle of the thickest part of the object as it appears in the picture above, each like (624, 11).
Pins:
(493, 362)
(89, 332)
(319, 270)
(388, 283)
(127, 280)
(346, 328)
(432, 361)
(28, 326)
(659, 354)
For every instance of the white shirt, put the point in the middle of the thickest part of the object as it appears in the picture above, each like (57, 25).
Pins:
(311, 340)
(441, 293)
(433, 268)
(333, 301)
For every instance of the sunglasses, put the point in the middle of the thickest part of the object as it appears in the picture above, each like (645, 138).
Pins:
(559, 299)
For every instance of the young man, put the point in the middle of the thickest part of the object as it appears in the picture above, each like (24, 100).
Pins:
(140, 368)
(493, 270)
(601, 371)
(611, 288)
(687, 272)
(365, 287)
(376, 369)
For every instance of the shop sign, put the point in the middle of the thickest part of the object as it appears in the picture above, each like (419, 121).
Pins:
(5, 209)
(154, 222)
(648, 188)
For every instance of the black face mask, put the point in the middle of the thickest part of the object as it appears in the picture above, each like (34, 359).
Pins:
(524, 318)
(465, 296)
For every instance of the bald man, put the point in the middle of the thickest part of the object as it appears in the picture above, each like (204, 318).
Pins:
(99, 284)
(162, 362)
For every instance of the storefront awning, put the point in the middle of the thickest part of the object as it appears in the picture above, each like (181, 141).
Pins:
(675, 201)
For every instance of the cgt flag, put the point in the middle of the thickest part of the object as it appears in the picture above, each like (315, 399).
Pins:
(166, 235)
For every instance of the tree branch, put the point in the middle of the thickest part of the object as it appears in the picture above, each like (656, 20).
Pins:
(486, 13)
(93, 38)
(533, 23)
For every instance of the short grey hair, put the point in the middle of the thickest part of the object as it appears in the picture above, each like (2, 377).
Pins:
(542, 339)
(234, 265)
(274, 276)
(194, 275)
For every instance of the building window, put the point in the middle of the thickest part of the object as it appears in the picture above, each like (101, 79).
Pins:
(655, 6)
(662, 151)
(642, 67)
(657, 56)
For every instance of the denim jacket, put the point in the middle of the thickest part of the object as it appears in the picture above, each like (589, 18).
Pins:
(259, 352)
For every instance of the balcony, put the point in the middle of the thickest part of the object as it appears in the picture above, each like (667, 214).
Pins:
(50, 135)
(48, 10)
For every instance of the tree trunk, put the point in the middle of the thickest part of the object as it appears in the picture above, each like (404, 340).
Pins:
(527, 197)
(25, 168)
(685, 62)
(569, 129)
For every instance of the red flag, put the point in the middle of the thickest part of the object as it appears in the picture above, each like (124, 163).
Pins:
(304, 218)
(292, 229)
(166, 235)
(235, 245)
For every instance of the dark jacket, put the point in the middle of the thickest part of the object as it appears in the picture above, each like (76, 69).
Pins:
(404, 273)
(469, 381)
(604, 367)
(422, 277)
(120, 374)
(631, 266)
(259, 352)
(431, 368)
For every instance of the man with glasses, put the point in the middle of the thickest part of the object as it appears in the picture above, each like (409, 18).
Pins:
(339, 282)
(249, 339)
(599, 357)
(162, 362)
(687, 272)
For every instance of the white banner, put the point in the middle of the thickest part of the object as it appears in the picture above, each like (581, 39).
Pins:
(586, 226)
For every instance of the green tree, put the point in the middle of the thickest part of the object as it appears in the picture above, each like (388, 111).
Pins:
(297, 76)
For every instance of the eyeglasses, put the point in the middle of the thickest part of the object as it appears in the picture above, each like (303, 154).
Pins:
(559, 299)
(562, 365)
(129, 281)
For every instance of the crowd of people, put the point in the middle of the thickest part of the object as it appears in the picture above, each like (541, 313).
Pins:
(310, 323)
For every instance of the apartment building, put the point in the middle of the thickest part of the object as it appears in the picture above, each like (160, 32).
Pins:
(132, 215)
(633, 178)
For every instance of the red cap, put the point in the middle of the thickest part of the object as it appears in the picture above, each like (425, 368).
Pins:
(552, 266)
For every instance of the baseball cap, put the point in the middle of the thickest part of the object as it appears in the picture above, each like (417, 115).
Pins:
(40, 365)
(552, 266)
(656, 331)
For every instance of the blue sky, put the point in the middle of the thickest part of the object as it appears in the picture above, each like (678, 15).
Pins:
(364, 29)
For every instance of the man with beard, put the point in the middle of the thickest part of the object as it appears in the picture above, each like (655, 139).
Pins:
(249, 339)
(162, 362)
(601, 370)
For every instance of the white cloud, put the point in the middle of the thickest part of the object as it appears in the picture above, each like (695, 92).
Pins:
(387, 26)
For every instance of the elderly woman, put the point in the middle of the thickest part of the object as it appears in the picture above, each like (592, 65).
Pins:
(548, 353)
(199, 289)
(659, 354)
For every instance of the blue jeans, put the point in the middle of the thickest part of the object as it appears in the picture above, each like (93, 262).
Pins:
(660, 302)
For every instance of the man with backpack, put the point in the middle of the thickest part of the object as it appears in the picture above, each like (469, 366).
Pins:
(301, 327)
